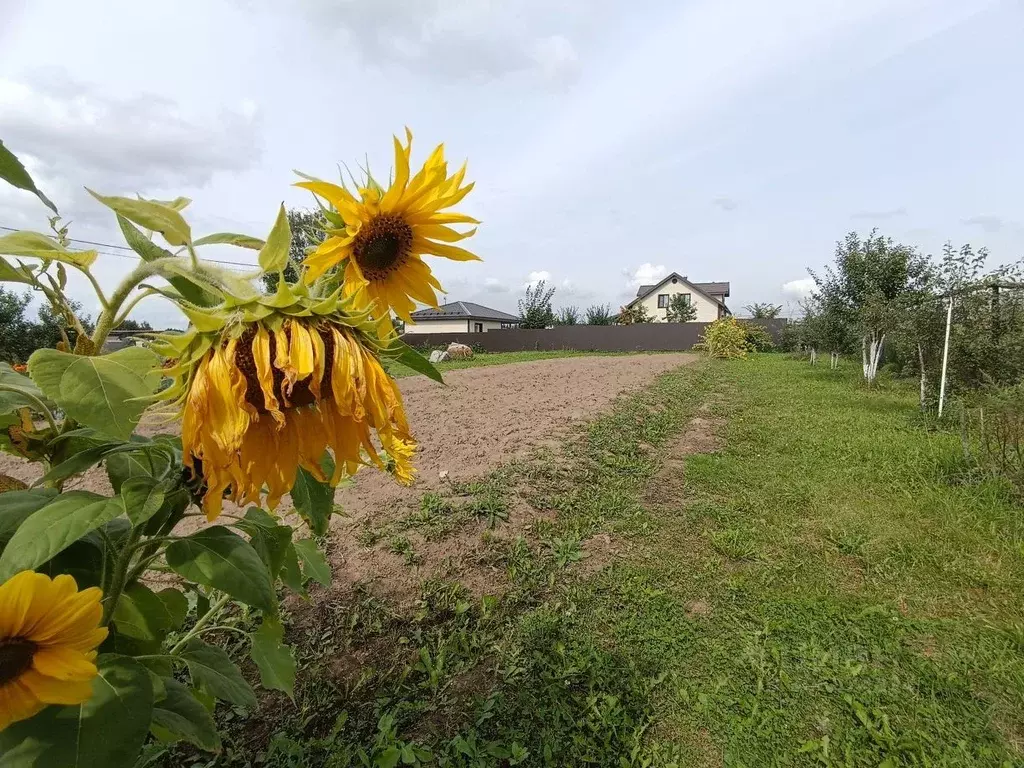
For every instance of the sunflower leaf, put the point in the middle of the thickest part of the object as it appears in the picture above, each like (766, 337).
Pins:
(219, 558)
(219, 676)
(274, 253)
(230, 238)
(314, 564)
(38, 246)
(409, 357)
(54, 527)
(313, 499)
(107, 730)
(158, 217)
(106, 392)
(150, 251)
(16, 506)
(179, 716)
(143, 497)
(274, 659)
(291, 575)
(14, 173)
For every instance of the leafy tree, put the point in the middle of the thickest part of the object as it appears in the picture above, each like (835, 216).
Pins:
(765, 311)
(599, 314)
(681, 310)
(633, 315)
(134, 325)
(535, 306)
(568, 316)
(307, 233)
(15, 341)
(870, 284)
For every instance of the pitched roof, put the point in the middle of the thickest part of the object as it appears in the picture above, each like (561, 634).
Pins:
(466, 310)
(706, 289)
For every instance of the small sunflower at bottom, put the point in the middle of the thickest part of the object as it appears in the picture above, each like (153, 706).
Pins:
(49, 632)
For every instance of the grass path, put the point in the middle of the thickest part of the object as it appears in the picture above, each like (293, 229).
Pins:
(829, 588)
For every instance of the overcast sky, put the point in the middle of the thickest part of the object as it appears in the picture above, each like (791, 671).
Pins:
(610, 142)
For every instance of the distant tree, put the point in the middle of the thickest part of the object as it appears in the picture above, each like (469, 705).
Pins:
(134, 325)
(633, 315)
(535, 307)
(681, 309)
(15, 343)
(766, 311)
(307, 233)
(599, 314)
(568, 316)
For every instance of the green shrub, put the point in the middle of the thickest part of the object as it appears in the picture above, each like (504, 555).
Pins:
(758, 338)
(724, 338)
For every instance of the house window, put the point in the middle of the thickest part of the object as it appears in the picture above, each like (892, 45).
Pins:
(686, 298)
(662, 301)
(478, 327)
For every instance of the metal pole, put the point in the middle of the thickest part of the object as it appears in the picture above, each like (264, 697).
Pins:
(945, 357)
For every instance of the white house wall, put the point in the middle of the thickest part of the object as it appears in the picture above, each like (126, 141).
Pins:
(707, 311)
(451, 326)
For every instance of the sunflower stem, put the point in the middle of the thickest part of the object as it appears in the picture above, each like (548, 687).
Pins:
(212, 613)
(118, 577)
(108, 318)
(36, 402)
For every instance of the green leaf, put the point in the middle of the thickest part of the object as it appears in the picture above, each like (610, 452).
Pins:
(11, 274)
(411, 358)
(143, 497)
(146, 616)
(219, 558)
(39, 246)
(211, 668)
(107, 392)
(230, 238)
(78, 463)
(274, 659)
(14, 173)
(54, 527)
(269, 539)
(314, 501)
(24, 386)
(290, 573)
(179, 716)
(150, 251)
(314, 564)
(16, 506)
(121, 467)
(274, 253)
(151, 215)
(106, 731)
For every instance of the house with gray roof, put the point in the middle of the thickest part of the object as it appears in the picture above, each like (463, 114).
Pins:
(460, 317)
(708, 298)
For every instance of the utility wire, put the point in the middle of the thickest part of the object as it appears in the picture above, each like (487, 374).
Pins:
(131, 254)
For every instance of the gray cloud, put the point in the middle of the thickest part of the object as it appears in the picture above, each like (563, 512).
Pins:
(891, 213)
(987, 222)
(725, 203)
(122, 144)
(459, 39)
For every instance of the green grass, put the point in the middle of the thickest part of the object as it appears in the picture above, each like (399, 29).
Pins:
(500, 358)
(833, 587)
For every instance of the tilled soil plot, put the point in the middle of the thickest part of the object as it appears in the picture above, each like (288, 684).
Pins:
(481, 419)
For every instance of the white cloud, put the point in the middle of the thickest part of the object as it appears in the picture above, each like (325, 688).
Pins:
(645, 274)
(493, 285)
(798, 290)
(725, 203)
(536, 277)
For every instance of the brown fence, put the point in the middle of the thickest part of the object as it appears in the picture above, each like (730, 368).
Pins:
(646, 337)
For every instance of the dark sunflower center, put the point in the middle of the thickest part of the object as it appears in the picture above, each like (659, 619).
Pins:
(301, 393)
(15, 658)
(382, 245)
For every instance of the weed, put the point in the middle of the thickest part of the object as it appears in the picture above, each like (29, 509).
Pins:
(400, 545)
(734, 543)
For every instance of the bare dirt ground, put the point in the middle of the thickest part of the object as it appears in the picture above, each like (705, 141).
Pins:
(483, 418)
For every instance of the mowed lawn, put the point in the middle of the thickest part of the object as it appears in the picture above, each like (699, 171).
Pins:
(833, 587)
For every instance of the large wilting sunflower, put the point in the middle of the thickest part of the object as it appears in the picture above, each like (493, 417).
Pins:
(386, 233)
(270, 387)
(49, 632)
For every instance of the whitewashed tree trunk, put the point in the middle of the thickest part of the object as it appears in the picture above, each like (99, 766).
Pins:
(814, 356)
(864, 355)
(871, 354)
(924, 381)
(834, 360)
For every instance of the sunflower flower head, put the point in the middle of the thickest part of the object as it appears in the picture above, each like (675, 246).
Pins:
(49, 631)
(271, 386)
(383, 234)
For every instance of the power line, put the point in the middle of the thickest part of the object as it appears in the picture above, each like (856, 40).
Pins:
(131, 254)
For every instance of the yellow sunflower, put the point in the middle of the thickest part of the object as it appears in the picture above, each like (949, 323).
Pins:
(387, 232)
(267, 397)
(49, 632)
